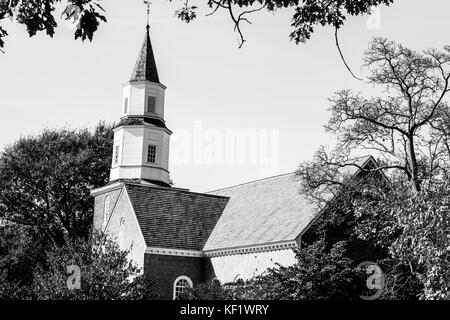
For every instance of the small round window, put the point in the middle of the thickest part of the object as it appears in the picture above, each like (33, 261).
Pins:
(239, 280)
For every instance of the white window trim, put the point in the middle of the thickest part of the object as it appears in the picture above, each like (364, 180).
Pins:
(189, 281)
(155, 153)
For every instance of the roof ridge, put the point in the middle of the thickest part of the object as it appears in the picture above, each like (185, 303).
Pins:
(173, 189)
(253, 181)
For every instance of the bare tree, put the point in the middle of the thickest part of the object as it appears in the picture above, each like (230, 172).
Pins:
(402, 125)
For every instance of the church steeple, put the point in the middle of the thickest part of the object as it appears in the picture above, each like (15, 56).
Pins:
(141, 139)
(145, 68)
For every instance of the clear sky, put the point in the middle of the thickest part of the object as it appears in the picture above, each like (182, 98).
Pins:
(270, 87)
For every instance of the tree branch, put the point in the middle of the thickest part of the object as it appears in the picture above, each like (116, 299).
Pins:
(342, 55)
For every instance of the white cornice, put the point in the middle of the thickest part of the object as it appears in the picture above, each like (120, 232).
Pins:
(146, 82)
(107, 188)
(223, 252)
(174, 252)
(252, 249)
(143, 125)
(147, 165)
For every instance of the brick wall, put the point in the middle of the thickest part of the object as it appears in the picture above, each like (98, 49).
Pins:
(163, 270)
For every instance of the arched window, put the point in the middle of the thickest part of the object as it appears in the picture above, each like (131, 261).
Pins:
(106, 210)
(180, 284)
(122, 232)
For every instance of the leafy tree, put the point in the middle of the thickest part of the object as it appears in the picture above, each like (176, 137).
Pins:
(338, 221)
(307, 13)
(425, 242)
(318, 274)
(45, 181)
(106, 273)
(21, 249)
(363, 215)
(415, 228)
(30, 268)
(366, 216)
(39, 15)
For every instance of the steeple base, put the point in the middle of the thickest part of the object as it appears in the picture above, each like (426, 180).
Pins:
(148, 173)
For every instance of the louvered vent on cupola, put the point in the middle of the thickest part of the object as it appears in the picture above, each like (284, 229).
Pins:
(125, 105)
(151, 104)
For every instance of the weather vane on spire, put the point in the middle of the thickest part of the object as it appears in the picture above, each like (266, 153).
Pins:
(148, 3)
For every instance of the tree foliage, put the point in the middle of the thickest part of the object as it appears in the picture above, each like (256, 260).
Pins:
(45, 181)
(39, 15)
(307, 13)
(32, 268)
(106, 273)
(415, 229)
(318, 274)
(21, 249)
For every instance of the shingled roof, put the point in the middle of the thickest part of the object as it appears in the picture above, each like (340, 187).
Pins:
(173, 218)
(261, 212)
(145, 68)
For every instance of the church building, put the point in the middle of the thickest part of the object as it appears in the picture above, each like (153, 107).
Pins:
(182, 238)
